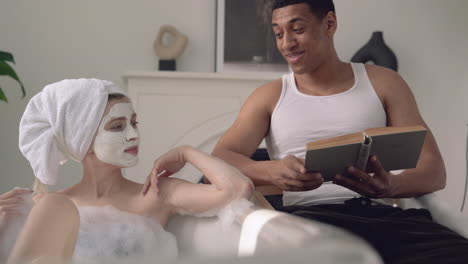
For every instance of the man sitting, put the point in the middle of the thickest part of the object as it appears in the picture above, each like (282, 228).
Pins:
(324, 97)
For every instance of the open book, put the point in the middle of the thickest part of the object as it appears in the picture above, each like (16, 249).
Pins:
(396, 148)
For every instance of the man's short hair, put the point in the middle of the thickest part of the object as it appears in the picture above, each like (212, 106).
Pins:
(320, 8)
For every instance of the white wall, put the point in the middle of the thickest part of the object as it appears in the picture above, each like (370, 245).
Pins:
(53, 40)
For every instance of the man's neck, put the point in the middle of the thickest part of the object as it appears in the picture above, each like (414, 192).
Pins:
(325, 78)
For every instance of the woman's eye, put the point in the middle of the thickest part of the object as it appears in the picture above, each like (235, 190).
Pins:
(135, 123)
(117, 126)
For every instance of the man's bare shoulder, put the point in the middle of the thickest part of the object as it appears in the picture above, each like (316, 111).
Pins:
(270, 88)
(386, 81)
(268, 94)
(381, 74)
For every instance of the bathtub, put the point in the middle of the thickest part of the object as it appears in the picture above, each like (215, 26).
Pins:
(267, 236)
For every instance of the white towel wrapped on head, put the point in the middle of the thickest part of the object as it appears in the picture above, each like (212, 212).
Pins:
(60, 123)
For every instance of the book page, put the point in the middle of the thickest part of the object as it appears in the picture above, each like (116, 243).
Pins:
(336, 141)
(376, 131)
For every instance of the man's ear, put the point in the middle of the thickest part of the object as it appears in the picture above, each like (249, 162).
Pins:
(331, 22)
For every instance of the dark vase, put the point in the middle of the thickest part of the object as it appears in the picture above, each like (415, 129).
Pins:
(378, 52)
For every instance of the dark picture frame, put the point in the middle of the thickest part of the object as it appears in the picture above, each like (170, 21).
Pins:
(245, 41)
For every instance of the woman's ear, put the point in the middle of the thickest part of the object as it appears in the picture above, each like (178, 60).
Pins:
(91, 147)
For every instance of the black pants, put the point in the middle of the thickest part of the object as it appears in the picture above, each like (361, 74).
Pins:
(400, 236)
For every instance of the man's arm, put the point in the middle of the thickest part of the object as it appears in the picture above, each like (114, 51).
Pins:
(242, 139)
(429, 175)
(247, 132)
(401, 108)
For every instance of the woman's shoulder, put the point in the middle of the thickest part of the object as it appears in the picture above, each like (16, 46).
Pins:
(156, 201)
(167, 187)
(56, 201)
(51, 195)
(155, 198)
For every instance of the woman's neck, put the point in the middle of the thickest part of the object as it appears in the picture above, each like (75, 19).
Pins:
(101, 181)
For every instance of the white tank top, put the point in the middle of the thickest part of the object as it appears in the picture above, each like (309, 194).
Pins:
(299, 118)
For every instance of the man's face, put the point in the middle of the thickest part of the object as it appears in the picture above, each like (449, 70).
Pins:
(302, 39)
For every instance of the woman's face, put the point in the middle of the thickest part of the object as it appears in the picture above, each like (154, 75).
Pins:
(117, 138)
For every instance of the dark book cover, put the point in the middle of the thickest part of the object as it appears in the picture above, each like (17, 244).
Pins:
(395, 148)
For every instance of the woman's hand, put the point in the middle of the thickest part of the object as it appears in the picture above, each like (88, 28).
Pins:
(166, 165)
(13, 203)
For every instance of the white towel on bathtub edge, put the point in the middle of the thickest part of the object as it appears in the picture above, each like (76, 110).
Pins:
(59, 123)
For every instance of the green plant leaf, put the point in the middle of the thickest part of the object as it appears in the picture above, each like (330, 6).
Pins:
(3, 96)
(6, 56)
(6, 69)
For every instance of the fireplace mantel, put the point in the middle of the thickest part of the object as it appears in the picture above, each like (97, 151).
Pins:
(178, 108)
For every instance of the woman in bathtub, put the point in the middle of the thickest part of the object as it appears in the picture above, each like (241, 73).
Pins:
(93, 122)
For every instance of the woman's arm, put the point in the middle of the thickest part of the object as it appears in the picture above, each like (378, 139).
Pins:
(228, 183)
(50, 232)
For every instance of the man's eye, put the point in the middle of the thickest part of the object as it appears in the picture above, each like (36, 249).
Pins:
(135, 123)
(279, 35)
(299, 30)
